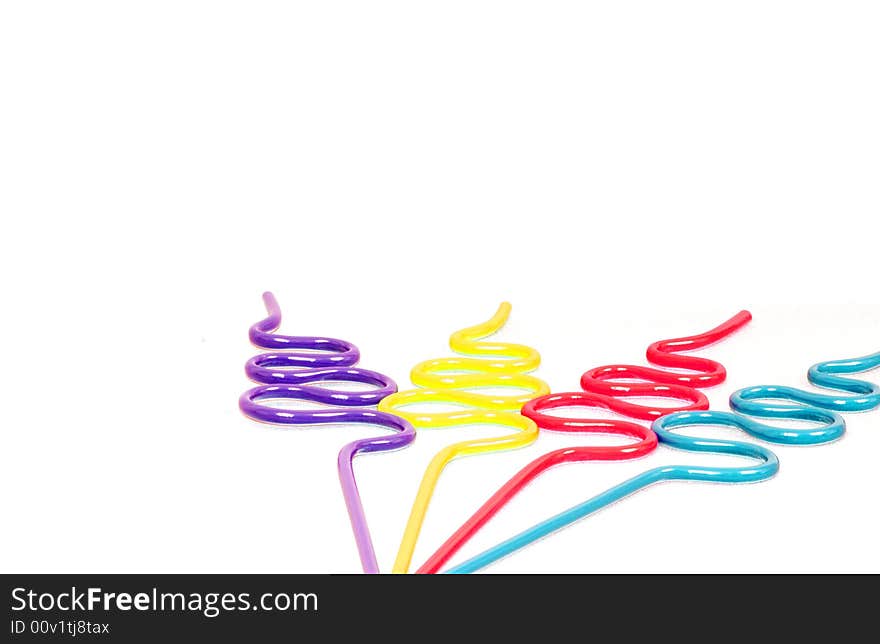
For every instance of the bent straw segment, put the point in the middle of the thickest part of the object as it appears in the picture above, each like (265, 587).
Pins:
(452, 381)
(808, 405)
(287, 374)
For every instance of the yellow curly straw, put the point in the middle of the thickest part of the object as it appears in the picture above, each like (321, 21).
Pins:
(445, 380)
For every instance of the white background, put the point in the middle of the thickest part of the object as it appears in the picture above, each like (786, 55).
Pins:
(621, 172)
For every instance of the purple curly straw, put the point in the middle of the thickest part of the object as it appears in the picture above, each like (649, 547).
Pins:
(334, 363)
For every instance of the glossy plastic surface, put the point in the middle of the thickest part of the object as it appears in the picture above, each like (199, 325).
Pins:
(451, 381)
(665, 384)
(767, 465)
(810, 406)
(607, 393)
(288, 376)
(646, 441)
